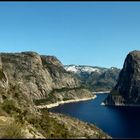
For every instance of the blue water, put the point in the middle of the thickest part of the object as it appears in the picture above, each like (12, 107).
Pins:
(118, 122)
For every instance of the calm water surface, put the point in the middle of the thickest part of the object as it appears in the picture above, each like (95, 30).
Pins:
(118, 122)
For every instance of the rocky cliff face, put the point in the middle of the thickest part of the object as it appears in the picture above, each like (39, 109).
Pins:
(28, 79)
(127, 89)
(35, 77)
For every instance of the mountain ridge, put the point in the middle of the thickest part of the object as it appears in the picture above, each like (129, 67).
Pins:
(95, 78)
(28, 80)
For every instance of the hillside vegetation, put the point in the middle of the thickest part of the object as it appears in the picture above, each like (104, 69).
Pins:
(27, 80)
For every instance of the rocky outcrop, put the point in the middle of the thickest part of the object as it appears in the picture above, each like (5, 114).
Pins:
(114, 100)
(127, 89)
(35, 77)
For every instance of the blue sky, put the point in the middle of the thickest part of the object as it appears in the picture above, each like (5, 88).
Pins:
(86, 33)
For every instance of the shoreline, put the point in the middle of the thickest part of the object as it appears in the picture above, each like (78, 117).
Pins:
(120, 105)
(64, 102)
(101, 92)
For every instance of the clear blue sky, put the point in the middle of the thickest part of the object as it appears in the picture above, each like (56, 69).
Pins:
(86, 33)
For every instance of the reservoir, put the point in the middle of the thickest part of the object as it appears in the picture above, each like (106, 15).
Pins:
(118, 122)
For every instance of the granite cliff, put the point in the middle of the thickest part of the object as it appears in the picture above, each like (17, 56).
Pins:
(127, 89)
(29, 80)
(37, 78)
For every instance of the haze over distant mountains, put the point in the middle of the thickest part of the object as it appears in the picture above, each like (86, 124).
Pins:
(95, 78)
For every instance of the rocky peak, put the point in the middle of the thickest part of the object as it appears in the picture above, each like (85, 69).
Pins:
(51, 60)
(128, 85)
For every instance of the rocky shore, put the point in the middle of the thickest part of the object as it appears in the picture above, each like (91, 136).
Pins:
(101, 92)
(63, 102)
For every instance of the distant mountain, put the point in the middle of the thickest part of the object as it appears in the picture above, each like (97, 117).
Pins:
(83, 68)
(127, 89)
(95, 78)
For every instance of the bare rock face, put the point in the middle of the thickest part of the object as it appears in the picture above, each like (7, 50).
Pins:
(127, 88)
(33, 76)
(3, 85)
